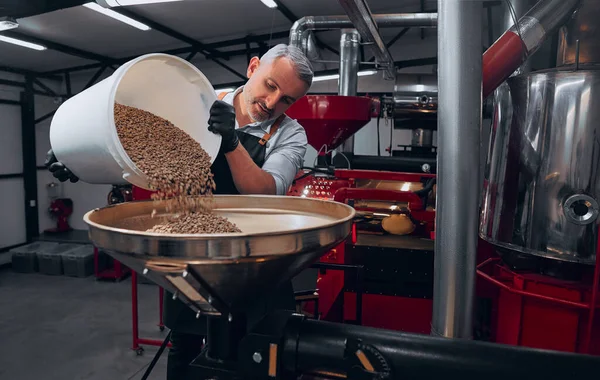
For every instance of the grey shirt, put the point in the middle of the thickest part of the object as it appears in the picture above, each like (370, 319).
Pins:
(285, 149)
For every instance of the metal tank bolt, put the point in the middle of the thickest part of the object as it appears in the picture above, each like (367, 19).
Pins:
(257, 357)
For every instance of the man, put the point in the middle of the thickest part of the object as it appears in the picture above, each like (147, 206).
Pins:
(261, 151)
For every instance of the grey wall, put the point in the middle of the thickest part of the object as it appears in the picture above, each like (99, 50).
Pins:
(85, 196)
(12, 203)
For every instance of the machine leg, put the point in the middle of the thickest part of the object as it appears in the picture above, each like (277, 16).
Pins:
(96, 262)
(134, 315)
(593, 301)
(161, 325)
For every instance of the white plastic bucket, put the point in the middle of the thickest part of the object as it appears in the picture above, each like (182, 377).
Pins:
(83, 135)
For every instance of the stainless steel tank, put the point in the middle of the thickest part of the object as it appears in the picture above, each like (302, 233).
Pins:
(541, 188)
(542, 177)
(415, 94)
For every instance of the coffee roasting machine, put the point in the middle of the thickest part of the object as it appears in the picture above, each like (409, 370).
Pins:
(532, 260)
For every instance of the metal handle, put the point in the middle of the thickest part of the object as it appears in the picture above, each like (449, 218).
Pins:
(345, 193)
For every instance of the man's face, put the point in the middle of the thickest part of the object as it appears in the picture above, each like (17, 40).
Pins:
(272, 88)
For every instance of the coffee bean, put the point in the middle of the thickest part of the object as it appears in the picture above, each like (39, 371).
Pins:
(178, 170)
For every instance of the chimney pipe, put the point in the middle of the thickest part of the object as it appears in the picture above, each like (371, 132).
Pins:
(518, 43)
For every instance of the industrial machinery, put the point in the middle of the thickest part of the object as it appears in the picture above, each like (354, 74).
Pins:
(540, 205)
(539, 211)
(59, 209)
(218, 275)
(387, 264)
(538, 221)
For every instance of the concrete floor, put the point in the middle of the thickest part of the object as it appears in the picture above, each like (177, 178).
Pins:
(62, 328)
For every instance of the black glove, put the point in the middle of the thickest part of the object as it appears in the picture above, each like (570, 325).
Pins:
(222, 121)
(59, 171)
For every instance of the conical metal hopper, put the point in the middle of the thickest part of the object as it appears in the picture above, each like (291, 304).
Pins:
(331, 119)
(218, 274)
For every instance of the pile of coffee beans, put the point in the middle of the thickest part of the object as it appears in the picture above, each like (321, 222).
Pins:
(177, 167)
(196, 223)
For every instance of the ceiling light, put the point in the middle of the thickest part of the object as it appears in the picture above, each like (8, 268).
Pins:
(367, 72)
(120, 3)
(116, 16)
(269, 3)
(336, 76)
(14, 41)
(7, 23)
(228, 89)
(326, 77)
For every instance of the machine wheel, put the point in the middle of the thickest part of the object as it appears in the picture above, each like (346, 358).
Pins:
(161, 328)
(139, 351)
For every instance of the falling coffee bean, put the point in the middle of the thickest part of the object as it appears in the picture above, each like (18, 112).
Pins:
(178, 170)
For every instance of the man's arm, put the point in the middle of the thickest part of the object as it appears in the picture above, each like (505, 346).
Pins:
(278, 171)
(249, 178)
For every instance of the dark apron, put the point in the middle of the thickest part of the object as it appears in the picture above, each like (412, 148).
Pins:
(180, 318)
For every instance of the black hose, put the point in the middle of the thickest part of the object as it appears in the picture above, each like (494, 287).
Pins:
(157, 356)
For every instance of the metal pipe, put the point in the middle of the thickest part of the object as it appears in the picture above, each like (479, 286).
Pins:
(302, 29)
(459, 121)
(348, 80)
(349, 50)
(359, 13)
(518, 43)
(520, 8)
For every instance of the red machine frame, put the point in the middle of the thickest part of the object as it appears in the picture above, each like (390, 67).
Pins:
(331, 284)
(137, 195)
(524, 303)
(136, 340)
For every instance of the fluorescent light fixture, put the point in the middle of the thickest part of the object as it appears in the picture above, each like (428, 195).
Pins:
(116, 16)
(120, 3)
(228, 89)
(336, 76)
(364, 73)
(14, 41)
(325, 77)
(269, 3)
(8, 23)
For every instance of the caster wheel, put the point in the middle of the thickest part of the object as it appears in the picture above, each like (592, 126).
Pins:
(161, 328)
(139, 351)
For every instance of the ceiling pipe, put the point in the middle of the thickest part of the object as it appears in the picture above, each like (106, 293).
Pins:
(301, 31)
(513, 48)
(359, 13)
(520, 8)
(348, 81)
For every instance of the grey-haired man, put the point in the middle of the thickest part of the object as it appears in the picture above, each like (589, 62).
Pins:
(261, 152)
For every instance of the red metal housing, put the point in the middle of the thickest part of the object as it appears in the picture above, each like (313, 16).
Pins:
(331, 119)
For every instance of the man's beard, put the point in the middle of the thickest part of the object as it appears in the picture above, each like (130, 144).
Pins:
(259, 116)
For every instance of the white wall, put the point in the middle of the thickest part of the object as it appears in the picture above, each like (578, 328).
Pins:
(85, 196)
(12, 202)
